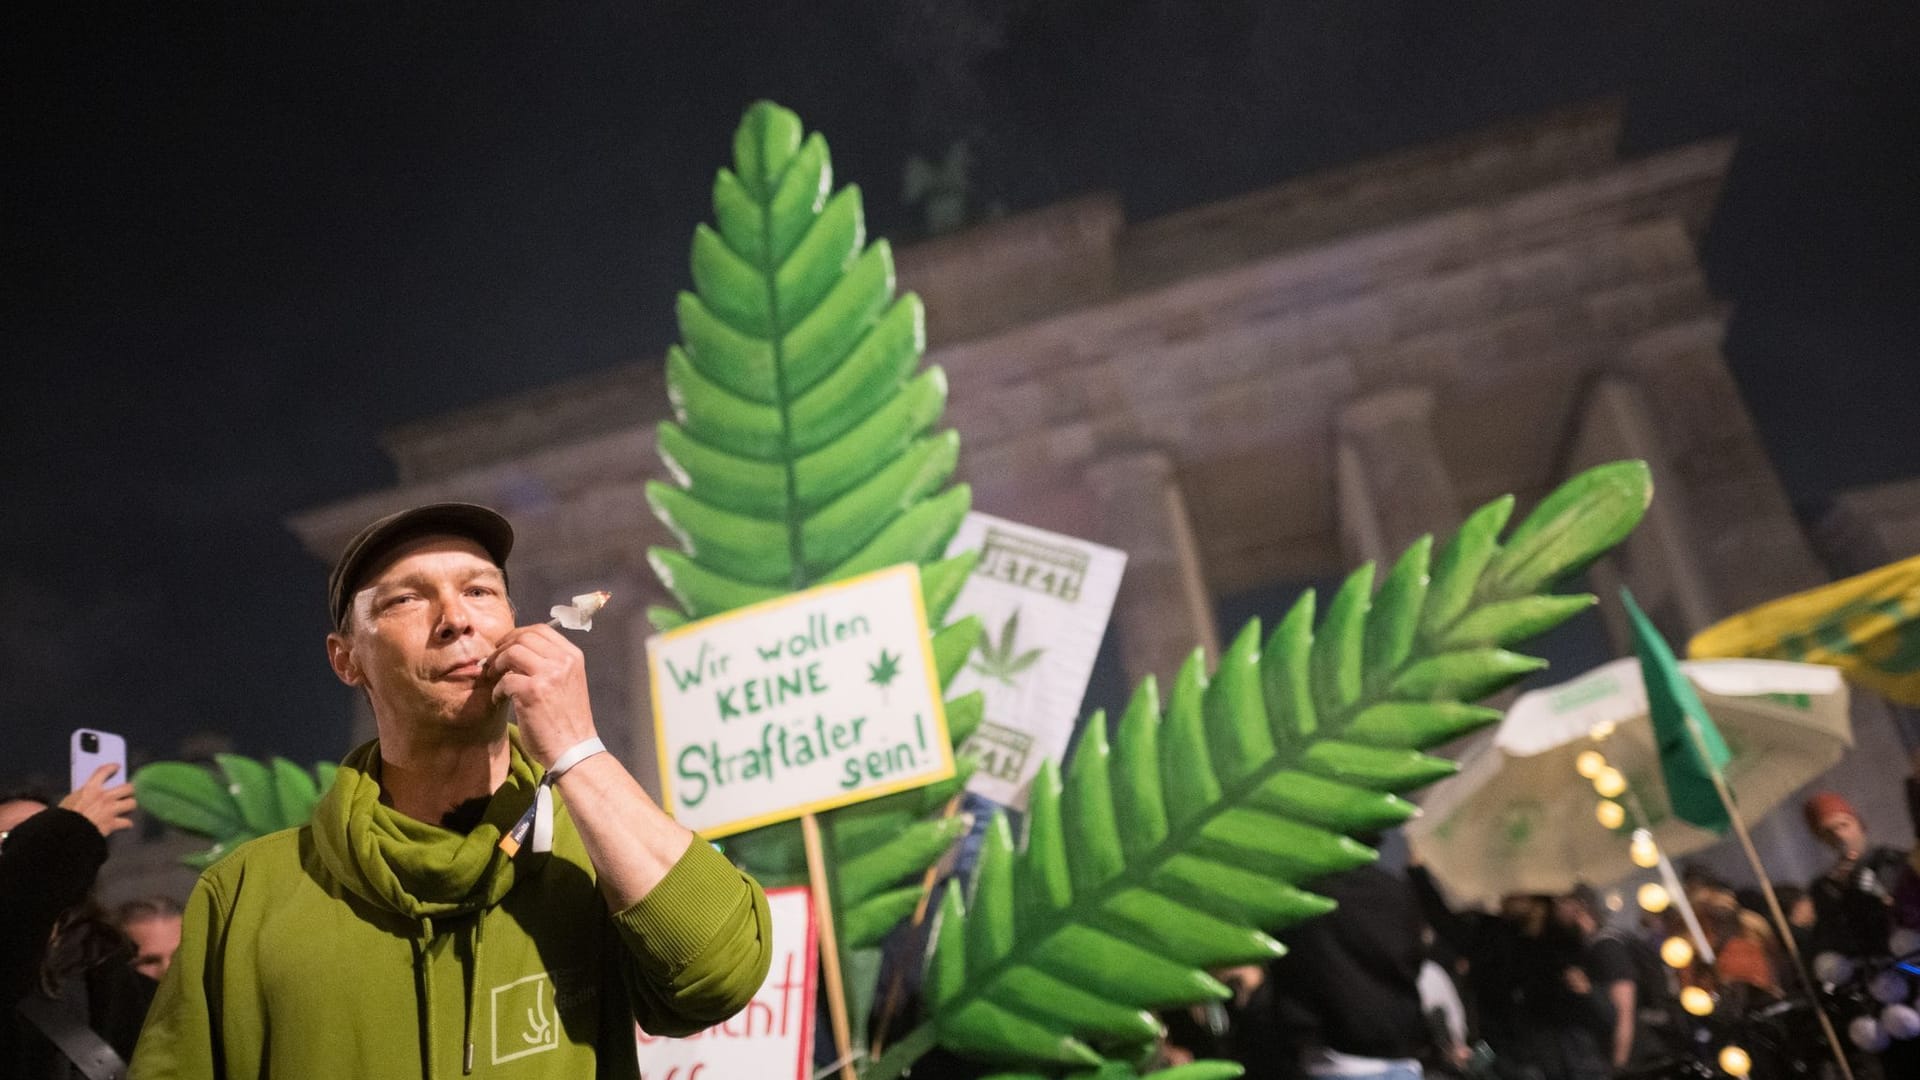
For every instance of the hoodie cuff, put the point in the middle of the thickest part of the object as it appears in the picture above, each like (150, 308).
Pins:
(59, 852)
(674, 923)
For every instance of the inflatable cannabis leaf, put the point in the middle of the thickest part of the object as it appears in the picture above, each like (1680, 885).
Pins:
(803, 450)
(1180, 847)
(244, 799)
(802, 447)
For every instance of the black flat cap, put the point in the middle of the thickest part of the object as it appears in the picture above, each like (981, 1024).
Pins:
(478, 523)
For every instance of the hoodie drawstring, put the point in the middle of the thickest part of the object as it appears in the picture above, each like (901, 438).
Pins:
(472, 973)
(425, 962)
(469, 975)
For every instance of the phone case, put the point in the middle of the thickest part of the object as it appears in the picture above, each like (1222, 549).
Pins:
(110, 748)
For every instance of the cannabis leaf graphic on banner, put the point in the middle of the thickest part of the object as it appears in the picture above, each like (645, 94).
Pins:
(997, 660)
(883, 671)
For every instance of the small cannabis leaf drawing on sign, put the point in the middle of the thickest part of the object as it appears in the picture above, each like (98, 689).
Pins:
(998, 661)
(883, 671)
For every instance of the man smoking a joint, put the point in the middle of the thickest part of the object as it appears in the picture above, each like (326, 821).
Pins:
(396, 934)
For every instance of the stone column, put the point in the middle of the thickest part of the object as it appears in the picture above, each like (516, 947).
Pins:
(1391, 483)
(1870, 527)
(1671, 400)
(1164, 608)
(1659, 562)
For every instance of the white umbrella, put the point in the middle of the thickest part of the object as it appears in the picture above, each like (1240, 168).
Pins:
(1519, 816)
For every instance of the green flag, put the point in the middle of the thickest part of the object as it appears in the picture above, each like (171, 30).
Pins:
(1672, 706)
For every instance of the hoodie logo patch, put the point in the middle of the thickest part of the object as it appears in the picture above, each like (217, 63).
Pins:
(524, 1019)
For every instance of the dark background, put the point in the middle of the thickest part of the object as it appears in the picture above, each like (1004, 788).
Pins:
(244, 239)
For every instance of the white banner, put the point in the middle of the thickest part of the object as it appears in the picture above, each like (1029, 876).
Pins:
(803, 703)
(1045, 599)
(773, 1035)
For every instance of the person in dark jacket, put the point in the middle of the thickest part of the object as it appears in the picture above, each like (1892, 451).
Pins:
(1533, 997)
(65, 973)
(1853, 901)
(1346, 995)
(1630, 983)
(1869, 891)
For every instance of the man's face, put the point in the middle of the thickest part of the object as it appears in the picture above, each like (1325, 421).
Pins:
(1843, 833)
(1705, 896)
(1525, 911)
(155, 940)
(418, 629)
(1571, 914)
(1801, 914)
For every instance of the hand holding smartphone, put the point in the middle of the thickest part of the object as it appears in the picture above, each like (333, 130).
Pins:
(88, 749)
(96, 759)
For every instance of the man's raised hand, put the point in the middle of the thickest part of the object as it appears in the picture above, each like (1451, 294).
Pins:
(545, 677)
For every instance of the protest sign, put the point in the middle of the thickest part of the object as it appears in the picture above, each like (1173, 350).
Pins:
(799, 704)
(773, 1035)
(1045, 599)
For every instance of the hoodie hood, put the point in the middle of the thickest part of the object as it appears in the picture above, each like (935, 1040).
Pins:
(415, 869)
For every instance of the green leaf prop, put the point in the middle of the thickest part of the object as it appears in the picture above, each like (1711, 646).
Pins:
(803, 450)
(1180, 847)
(252, 787)
(802, 444)
(188, 797)
(243, 799)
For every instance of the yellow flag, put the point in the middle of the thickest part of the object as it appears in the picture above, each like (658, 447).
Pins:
(1867, 626)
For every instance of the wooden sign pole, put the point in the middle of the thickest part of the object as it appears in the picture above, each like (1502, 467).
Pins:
(829, 945)
(1780, 925)
(891, 1004)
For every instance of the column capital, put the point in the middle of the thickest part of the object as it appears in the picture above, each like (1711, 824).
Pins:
(1391, 481)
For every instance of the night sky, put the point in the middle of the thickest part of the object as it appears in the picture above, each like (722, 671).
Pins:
(242, 242)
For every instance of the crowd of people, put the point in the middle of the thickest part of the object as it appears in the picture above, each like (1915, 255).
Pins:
(1397, 984)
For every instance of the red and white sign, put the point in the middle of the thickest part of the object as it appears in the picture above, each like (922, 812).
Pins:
(773, 1035)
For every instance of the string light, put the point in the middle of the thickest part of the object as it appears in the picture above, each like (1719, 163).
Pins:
(1867, 1034)
(1610, 814)
(1653, 897)
(1589, 763)
(1696, 1001)
(1610, 783)
(1677, 952)
(1644, 852)
(1900, 1022)
(1889, 987)
(1602, 731)
(1832, 967)
(1735, 1060)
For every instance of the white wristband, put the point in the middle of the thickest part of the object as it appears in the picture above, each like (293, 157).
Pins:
(574, 755)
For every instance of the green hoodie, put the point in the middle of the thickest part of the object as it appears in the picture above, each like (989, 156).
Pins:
(367, 944)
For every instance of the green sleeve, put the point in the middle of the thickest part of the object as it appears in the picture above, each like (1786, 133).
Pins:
(180, 1037)
(697, 946)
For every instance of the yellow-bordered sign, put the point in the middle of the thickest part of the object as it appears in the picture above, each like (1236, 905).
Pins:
(799, 704)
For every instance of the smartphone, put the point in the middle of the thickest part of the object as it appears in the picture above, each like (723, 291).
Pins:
(88, 749)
